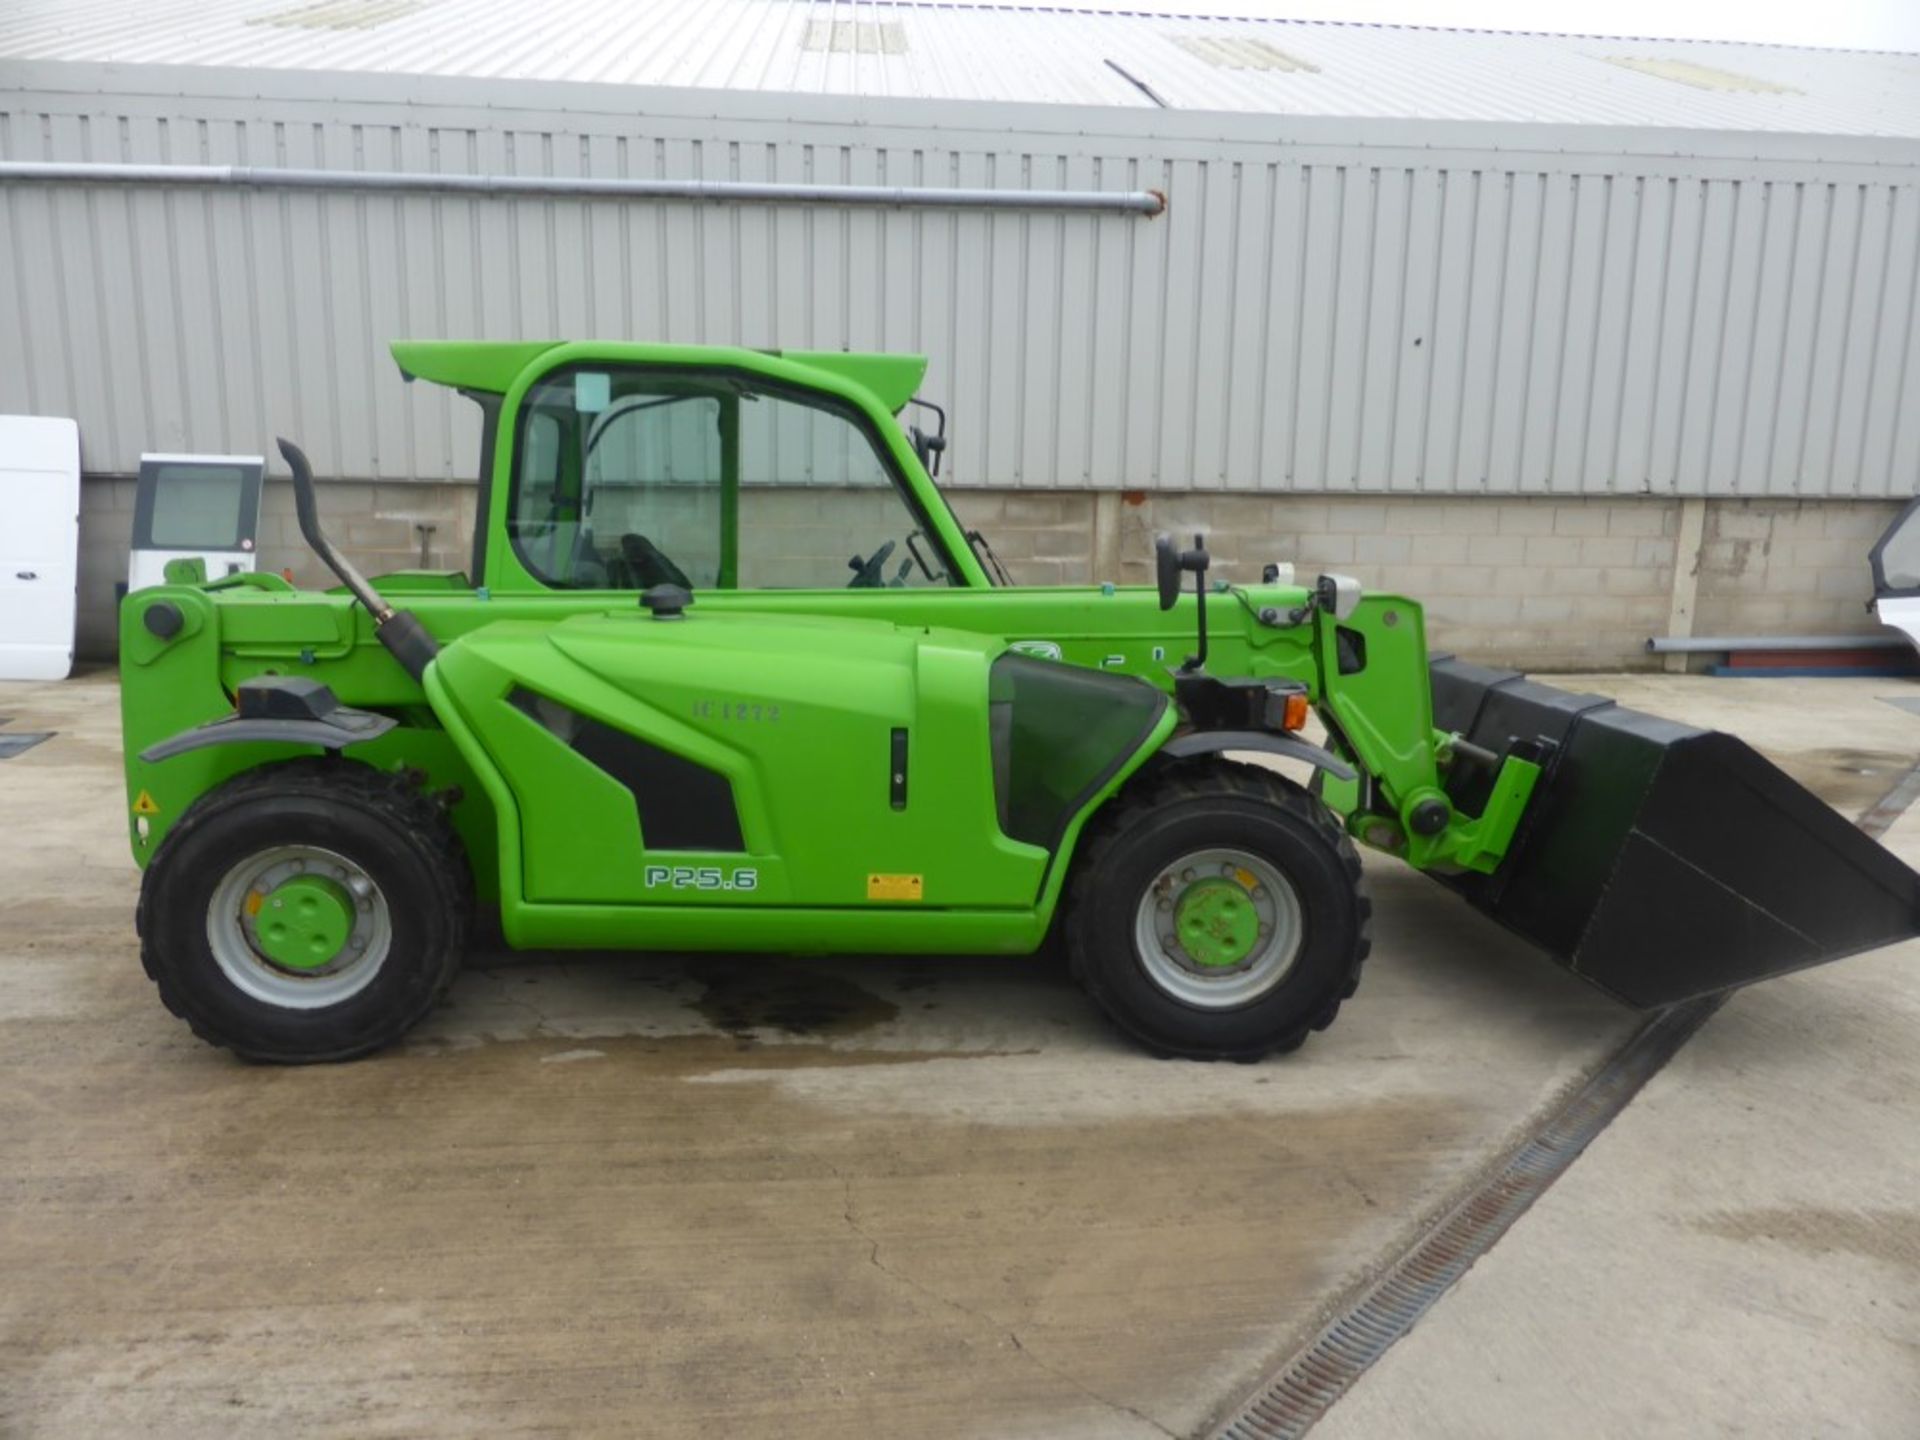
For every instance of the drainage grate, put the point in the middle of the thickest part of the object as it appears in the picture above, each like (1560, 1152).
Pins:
(1292, 1403)
(12, 745)
(1307, 1386)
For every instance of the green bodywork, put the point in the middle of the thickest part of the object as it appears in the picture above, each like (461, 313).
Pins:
(792, 695)
(1216, 923)
(304, 922)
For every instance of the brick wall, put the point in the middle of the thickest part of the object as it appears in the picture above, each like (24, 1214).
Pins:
(1539, 583)
(1785, 566)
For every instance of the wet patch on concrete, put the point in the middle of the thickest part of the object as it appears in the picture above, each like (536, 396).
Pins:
(755, 1211)
(1890, 1237)
(994, 1003)
(743, 995)
(568, 1247)
(1850, 780)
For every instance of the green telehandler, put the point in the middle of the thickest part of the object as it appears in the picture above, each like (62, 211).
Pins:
(662, 709)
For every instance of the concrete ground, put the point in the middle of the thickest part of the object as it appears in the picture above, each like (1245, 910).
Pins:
(757, 1197)
(1739, 1253)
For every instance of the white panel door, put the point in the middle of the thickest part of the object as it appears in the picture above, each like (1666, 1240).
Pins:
(39, 545)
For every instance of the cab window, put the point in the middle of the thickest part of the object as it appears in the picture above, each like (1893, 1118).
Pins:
(632, 477)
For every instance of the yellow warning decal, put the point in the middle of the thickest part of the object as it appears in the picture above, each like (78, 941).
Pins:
(893, 887)
(144, 805)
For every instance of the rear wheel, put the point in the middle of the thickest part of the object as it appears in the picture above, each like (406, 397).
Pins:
(1219, 913)
(306, 912)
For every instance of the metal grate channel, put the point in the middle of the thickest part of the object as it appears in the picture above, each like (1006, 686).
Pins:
(1306, 1386)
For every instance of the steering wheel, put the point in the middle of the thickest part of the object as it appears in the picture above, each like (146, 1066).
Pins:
(867, 574)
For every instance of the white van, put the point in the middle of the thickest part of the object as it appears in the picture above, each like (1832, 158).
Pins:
(39, 545)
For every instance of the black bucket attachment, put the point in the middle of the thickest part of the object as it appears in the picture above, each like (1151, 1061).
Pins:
(1661, 862)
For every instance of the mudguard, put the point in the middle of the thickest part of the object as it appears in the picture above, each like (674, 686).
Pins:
(288, 709)
(1212, 742)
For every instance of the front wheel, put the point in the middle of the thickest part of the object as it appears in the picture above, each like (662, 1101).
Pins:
(1218, 913)
(306, 912)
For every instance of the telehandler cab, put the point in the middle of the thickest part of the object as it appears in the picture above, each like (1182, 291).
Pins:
(663, 710)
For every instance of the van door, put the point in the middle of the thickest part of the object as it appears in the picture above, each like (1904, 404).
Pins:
(194, 507)
(39, 545)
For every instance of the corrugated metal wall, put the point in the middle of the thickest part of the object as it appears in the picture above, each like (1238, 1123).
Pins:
(1323, 309)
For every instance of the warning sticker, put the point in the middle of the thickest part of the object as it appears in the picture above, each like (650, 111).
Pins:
(893, 887)
(144, 805)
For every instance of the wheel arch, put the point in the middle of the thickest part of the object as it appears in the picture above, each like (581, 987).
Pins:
(1215, 742)
(1067, 848)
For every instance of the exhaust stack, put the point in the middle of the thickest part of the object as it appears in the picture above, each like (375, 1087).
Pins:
(399, 630)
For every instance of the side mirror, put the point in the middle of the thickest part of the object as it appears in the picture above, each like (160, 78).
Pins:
(1169, 564)
(1166, 570)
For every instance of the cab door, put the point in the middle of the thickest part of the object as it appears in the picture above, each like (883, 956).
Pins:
(633, 475)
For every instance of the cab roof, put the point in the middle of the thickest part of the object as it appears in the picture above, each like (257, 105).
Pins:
(491, 366)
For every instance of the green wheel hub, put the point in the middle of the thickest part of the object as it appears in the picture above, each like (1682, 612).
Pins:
(304, 922)
(1217, 923)
(299, 927)
(1217, 928)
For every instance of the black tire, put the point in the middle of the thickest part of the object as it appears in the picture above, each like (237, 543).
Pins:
(384, 825)
(1194, 805)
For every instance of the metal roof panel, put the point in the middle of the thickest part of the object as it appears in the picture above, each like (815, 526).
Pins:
(1028, 54)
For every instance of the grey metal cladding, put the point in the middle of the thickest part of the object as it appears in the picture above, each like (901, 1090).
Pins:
(1326, 306)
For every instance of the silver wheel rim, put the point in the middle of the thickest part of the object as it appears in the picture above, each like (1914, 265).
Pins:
(1218, 987)
(231, 934)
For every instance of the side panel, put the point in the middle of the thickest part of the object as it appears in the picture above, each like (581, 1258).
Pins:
(171, 685)
(797, 725)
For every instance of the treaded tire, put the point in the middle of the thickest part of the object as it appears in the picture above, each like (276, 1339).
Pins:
(1193, 805)
(383, 824)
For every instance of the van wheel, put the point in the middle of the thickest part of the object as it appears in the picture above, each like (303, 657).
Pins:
(304, 912)
(1219, 912)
